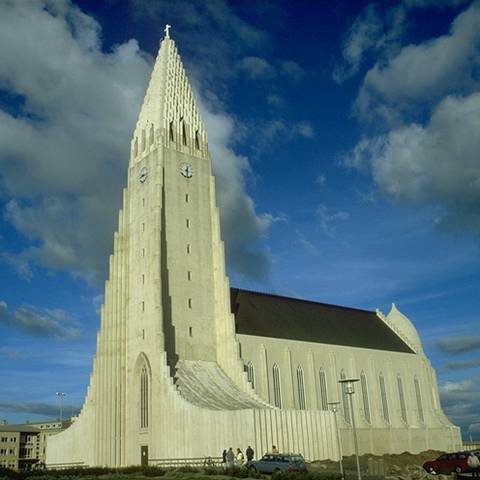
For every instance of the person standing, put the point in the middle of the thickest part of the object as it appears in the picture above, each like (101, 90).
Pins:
(474, 463)
(240, 458)
(224, 456)
(230, 457)
(250, 453)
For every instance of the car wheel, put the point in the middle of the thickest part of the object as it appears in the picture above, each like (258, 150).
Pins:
(458, 469)
(432, 471)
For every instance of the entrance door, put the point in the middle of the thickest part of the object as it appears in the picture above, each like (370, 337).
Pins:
(144, 455)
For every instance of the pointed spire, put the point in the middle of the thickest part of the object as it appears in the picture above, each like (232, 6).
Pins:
(169, 107)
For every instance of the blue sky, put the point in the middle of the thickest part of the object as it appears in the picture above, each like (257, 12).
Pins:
(345, 142)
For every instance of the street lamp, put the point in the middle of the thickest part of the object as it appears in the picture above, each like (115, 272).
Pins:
(334, 408)
(349, 389)
(60, 396)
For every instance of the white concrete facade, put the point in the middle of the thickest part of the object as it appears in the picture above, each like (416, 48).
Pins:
(168, 380)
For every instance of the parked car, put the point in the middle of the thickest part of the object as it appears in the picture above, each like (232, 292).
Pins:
(278, 462)
(449, 463)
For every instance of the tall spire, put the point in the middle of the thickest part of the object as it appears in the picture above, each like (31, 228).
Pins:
(169, 109)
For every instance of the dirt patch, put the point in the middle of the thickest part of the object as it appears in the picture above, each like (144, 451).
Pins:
(381, 465)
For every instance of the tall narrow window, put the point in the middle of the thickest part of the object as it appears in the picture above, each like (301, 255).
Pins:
(184, 134)
(301, 388)
(170, 130)
(187, 198)
(366, 400)
(401, 397)
(251, 373)
(144, 398)
(346, 407)
(188, 248)
(189, 303)
(277, 388)
(189, 275)
(152, 135)
(135, 147)
(323, 389)
(143, 140)
(383, 395)
(418, 396)
(197, 141)
(187, 223)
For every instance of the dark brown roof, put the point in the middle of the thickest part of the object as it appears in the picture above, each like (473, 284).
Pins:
(267, 315)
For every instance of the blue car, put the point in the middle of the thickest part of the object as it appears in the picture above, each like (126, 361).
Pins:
(278, 462)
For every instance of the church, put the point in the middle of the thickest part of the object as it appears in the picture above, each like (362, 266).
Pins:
(186, 366)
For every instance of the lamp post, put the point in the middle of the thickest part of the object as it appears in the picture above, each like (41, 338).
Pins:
(349, 389)
(334, 408)
(60, 396)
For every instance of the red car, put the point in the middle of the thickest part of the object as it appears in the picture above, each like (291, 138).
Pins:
(449, 463)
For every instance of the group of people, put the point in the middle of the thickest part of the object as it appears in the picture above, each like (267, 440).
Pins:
(230, 458)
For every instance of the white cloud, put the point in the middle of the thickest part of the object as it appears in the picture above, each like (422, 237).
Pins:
(460, 402)
(327, 219)
(436, 164)
(362, 36)
(256, 67)
(459, 344)
(64, 145)
(293, 70)
(49, 323)
(418, 74)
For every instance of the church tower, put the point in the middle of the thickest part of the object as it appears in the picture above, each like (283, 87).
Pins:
(166, 320)
(168, 380)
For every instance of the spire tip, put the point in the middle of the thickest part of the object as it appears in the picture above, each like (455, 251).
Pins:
(167, 30)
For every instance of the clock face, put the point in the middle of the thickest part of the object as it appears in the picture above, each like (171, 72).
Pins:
(143, 174)
(186, 170)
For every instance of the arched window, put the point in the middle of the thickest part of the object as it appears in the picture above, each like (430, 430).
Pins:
(323, 389)
(366, 400)
(383, 395)
(346, 408)
(251, 374)
(277, 388)
(418, 396)
(401, 396)
(144, 397)
(301, 389)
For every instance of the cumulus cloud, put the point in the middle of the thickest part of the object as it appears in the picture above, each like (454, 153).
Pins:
(379, 32)
(435, 164)
(425, 99)
(242, 228)
(460, 402)
(64, 142)
(64, 148)
(425, 72)
(47, 323)
(459, 344)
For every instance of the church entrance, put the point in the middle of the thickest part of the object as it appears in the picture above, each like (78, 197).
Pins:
(144, 455)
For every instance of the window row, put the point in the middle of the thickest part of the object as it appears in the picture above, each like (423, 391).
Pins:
(363, 393)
